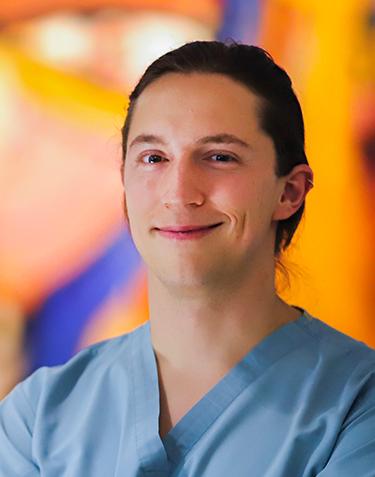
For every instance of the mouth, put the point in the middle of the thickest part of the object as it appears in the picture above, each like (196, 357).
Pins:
(187, 231)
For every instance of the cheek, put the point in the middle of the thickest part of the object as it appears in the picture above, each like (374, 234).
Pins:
(249, 209)
(134, 207)
(139, 201)
(132, 201)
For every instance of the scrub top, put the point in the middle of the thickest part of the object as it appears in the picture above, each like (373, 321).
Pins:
(301, 403)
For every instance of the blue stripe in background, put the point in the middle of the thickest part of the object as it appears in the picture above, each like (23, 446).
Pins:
(53, 333)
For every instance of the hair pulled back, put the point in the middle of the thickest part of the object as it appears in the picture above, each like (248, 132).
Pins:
(280, 114)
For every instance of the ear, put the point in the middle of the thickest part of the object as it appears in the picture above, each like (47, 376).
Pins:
(295, 187)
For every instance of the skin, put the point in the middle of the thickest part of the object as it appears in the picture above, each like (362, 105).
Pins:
(211, 298)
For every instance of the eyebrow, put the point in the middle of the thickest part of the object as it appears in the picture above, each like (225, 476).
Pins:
(147, 138)
(223, 138)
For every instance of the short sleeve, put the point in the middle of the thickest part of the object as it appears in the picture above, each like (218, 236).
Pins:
(354, 452)
(16, 429)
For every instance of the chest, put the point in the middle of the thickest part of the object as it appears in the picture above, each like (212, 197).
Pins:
(249, 435)
(177, 396)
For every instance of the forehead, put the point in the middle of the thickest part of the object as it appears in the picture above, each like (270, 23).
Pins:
(196, 104)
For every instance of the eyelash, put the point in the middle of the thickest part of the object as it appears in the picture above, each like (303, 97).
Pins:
(232, 159)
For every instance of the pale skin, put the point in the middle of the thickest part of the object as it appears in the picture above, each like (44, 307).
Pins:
(196, 156)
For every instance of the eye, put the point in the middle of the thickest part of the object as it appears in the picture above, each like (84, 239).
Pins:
(222, 158)
(152, 158)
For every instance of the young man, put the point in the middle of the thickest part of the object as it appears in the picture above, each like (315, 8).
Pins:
(225, 378)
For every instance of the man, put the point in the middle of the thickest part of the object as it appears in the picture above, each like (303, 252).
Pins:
(225, 378)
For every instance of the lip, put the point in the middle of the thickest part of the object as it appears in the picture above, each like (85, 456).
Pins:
(186, 228)
(186, 232)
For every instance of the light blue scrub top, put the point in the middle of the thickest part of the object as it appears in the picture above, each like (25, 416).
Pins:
(301, 403)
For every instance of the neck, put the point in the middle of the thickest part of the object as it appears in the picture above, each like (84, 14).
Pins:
(209, 330)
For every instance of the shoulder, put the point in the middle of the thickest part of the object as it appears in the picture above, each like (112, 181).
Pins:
(84, 370)
(338, 359)
(344, 368)
(338, 347)
(327, 339)
(52, 398)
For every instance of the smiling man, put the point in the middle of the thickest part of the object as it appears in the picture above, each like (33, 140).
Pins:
(203, 200)
(225, 378)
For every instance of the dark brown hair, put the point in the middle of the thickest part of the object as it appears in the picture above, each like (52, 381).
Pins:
(280, 114)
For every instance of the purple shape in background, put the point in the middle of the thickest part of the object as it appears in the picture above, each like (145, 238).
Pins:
(53, 333)
(240, 21)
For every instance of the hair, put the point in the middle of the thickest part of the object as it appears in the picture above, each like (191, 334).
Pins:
(280, 114)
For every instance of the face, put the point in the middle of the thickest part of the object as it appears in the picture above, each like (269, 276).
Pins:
(200, 185)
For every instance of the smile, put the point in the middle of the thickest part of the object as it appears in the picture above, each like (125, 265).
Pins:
(186, 232)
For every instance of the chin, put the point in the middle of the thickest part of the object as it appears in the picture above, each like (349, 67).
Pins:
(187, 282)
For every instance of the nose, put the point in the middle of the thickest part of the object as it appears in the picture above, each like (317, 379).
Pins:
(182, 185)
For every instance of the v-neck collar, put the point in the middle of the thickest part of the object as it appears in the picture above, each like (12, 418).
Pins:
(156, 454)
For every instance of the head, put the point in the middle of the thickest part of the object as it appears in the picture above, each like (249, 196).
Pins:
(277, 109)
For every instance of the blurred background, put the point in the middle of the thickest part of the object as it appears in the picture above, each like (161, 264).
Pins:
(69, 273)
